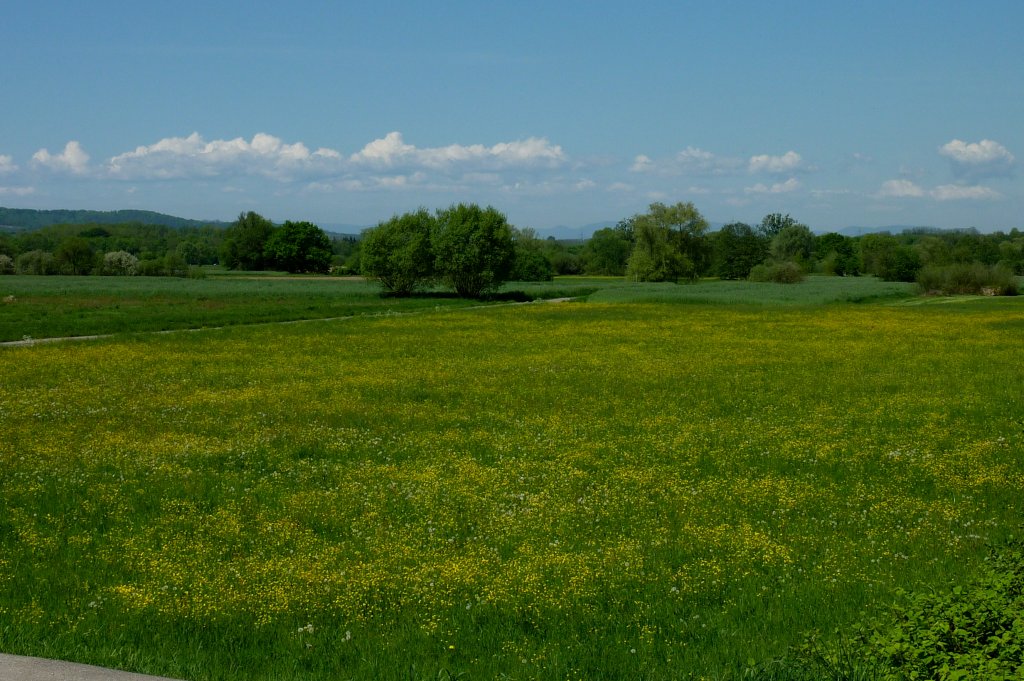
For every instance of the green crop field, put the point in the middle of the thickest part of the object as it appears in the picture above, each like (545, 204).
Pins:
(658, 483)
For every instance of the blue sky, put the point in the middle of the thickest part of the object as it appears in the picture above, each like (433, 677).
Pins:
(557, 113)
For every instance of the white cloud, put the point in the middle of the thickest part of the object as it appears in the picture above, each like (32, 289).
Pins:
(786, 163)
(689, 161)
(17, 191)
(392, 151)
(956, 192)
(584, 185)
(946, 192)
(985, 151)
(790, 185)
(73, 159)
(900, 189)
(182, 157)
(7, 165)
(620, 187)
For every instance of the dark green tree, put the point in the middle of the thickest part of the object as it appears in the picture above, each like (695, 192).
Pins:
(607, 251)
(74, 255)
(530, 262)
(245, 242)
(736, 249)
(793, 243)
(837, 254)
(397, 253)
(886, 258)
(299, 247)
(473, 249)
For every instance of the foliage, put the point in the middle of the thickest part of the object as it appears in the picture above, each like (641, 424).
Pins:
(838, 254)
(794, 243)
(967, 279)
(473, 249)
(670, 244)
(74, 255)
(36, 262)
(885, 257)
(565, 257)
(530, 262)
(245, 242)
(787, 272)
(298, 247)
(607, 252)
(398, 254)
(736, 249)
(512, 490)
(120, 263)
(6, 264)
(773, 223)
(972, 632)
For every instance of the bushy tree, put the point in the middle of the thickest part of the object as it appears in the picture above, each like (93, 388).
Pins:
(36, 262)
(670, 244)
(473, 249)
(736, 249)
(886, 258)
(298, 247)
(74, 255)
(6, 264)
(120, 263)
(398, 254)
(530, 262)
(245, 242)
(773, 223)
(793, 243)
(837, 254)
(607, 251)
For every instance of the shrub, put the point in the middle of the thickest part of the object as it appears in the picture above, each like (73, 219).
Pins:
(473, 249)
(6, 264)
(967, 279)
(780, 273)
(36, 262)
(397, 253)
(120, 263)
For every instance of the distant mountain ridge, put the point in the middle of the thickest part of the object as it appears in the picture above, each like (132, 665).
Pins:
(28, 218)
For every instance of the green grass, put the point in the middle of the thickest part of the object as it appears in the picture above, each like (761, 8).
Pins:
(598, 491)
(47, 307)
(814, 290)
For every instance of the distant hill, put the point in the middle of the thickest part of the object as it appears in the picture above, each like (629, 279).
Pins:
(26, 218)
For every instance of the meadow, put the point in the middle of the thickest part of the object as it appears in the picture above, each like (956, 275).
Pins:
(584, 490)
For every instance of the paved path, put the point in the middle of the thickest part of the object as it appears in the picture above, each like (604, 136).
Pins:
(17, 668)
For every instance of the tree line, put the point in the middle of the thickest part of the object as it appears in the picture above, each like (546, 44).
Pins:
(473, 250)
(134, 248)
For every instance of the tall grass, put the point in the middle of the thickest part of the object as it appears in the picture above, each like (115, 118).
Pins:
(597, 491)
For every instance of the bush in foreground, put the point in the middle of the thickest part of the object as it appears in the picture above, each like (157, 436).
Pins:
(973, 632)
(967, 279)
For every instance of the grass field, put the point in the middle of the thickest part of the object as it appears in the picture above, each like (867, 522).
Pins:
(598, 490)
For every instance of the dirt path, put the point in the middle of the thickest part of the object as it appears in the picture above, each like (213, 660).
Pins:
(18, 668)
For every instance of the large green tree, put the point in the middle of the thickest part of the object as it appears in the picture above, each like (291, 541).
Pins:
(530, 262)
(473, 249)
(736, 249)
(299, 247)
(670, 244)
(74, 255)
(397, 253)
(607, 251)
(245, 242)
